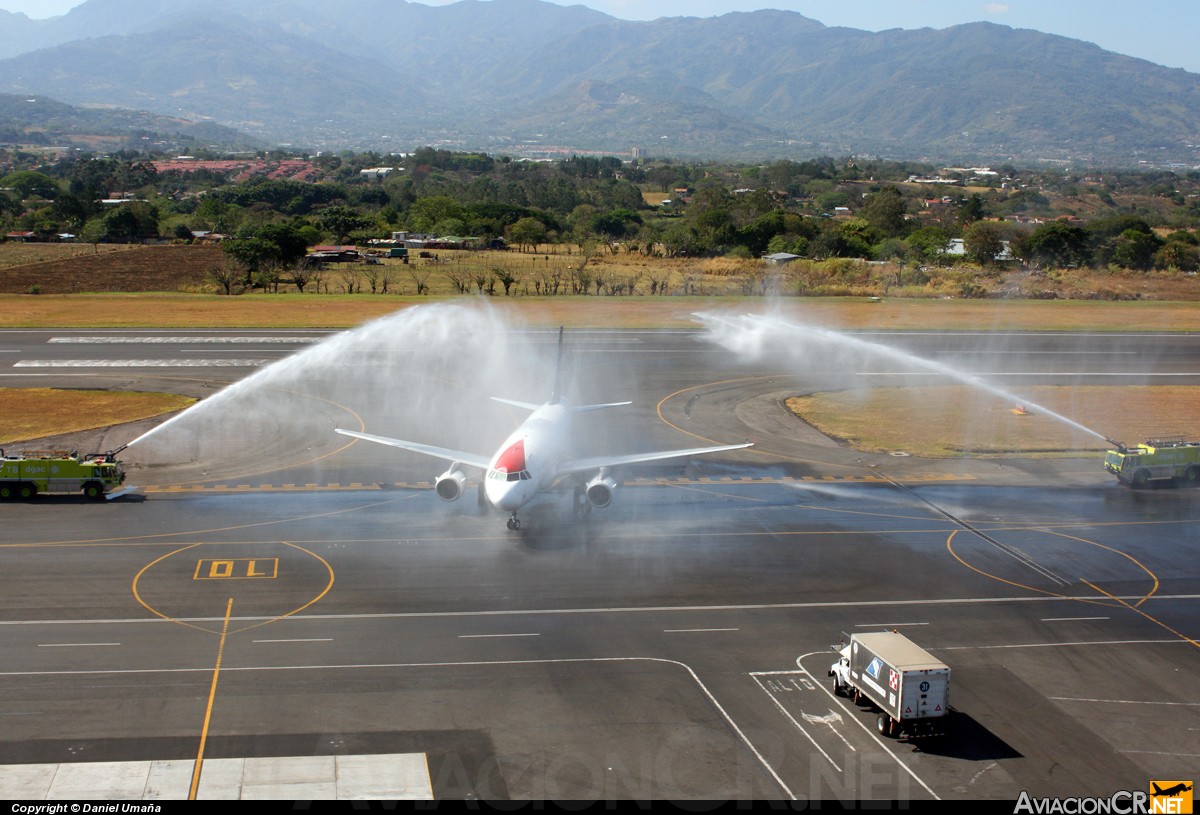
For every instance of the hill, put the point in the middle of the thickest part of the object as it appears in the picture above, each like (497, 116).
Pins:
(493, 75)
(38, 120)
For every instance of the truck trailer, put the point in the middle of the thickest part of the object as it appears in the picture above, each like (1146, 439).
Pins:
(908, 686)
(25, 474)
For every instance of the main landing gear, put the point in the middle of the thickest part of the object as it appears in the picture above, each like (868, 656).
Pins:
(514, 523)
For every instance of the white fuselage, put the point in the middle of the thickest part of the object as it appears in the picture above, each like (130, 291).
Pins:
(528, 460)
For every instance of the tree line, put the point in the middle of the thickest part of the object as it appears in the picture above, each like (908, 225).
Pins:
(819, 209)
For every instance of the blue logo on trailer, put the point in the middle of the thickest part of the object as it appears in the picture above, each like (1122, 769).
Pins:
(924, 687)
(874, 669)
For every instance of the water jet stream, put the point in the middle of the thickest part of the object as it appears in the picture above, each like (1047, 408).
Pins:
(757, 336)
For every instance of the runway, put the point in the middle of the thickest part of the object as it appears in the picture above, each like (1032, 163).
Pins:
(317, 603)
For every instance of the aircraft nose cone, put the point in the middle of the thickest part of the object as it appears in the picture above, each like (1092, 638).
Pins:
(503, 497)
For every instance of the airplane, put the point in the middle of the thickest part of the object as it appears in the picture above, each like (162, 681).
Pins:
(1170, 791)
(535, 457)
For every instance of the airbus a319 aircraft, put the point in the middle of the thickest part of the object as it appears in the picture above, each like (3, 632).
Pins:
(535, 457)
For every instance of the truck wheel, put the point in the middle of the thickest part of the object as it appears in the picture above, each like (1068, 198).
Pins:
(6, 492)
(25, 490)
(1192, 476)
(884, 724)
(93, 490)
(1140, 479)
(838, 688)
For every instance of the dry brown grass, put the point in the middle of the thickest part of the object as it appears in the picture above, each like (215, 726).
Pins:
(32, 413)
(949, 421)
(345, 311)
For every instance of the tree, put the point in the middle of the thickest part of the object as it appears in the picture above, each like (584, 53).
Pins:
(30, 184)
(984, 241)
(1059, 244)
(426, 213)
(252, 253)
(131, 222)
(680, 240)
(227, 274)
(291, 242)
(339, 221)
(884, 210)
(1136, 250)
(1180, 255)
(929, 243)
(527, 233)
(972, 210)
(616, 224)
(506, 276)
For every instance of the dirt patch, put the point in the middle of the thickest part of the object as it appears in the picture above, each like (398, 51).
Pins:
(165, 268)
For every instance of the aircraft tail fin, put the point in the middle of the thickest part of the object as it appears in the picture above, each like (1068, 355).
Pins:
(556, 392)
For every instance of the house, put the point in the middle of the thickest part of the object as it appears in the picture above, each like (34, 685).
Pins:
(780, 258)
(958, 248)
(334, 254)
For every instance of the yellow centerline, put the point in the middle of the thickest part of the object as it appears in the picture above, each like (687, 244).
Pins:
(1137, 610)
(1135, 607)
(212, 695)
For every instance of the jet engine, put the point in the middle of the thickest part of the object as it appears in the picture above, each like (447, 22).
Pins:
(449, 485)
(599, 490)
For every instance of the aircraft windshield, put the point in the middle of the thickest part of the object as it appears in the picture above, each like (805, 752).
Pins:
(501, 475)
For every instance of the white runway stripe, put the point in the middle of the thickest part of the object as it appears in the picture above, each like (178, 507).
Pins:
(123, 340)
(141, 363)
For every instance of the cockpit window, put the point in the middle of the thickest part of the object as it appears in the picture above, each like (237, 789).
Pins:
(501, 475)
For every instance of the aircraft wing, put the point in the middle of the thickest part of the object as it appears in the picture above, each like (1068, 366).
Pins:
(470, 459)
(595, 463)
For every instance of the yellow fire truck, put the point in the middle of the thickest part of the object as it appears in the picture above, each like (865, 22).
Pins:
(24, 475)
(1170, 459)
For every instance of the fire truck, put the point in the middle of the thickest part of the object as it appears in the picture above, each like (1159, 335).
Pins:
(1160, 460)
(25, 474)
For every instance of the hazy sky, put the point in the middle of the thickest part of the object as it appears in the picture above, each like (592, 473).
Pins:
(1162, 31)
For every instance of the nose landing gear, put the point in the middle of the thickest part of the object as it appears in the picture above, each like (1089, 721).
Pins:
(514, 523)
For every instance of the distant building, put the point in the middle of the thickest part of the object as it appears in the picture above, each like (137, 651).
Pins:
(957, 247)
(377, 173)
(780, 258)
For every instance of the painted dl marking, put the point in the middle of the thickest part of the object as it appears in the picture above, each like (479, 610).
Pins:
(237, 569)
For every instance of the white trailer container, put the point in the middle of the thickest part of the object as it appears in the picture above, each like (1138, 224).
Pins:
(905, 682)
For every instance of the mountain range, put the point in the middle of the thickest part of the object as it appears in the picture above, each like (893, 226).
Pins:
(527, 75)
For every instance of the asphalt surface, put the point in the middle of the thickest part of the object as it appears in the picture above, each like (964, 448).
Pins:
(277, 592)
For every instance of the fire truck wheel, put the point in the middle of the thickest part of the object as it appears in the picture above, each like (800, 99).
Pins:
(26, 490)
(1192, 475)
(1140, 479)
(6, 492)
(93, 490)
